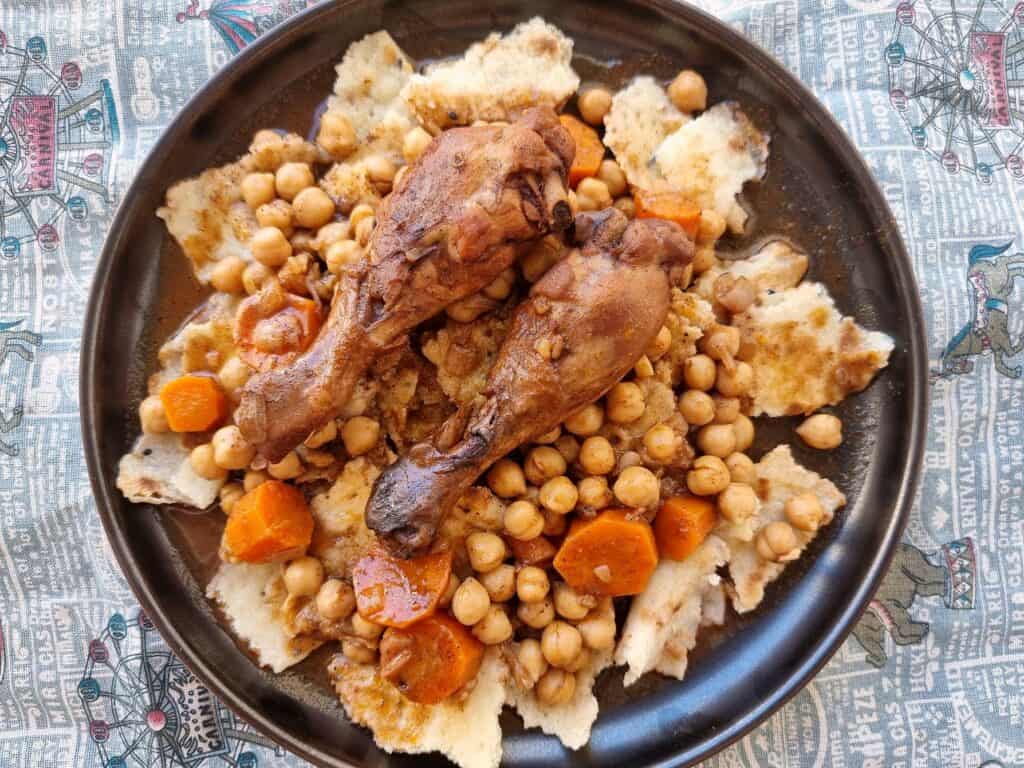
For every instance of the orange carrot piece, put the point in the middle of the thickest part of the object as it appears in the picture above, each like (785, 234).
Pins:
(270, 523)
(539, 551)
(397, 593)
(589, 149)
(293, 326)
(609, 555)
(431, 659)
(682, 524)
(193, 403)
(668, 205)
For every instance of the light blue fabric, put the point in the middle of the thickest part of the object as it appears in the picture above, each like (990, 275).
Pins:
(929, 91)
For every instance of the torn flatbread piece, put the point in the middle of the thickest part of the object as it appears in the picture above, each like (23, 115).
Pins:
(464, 729)
(776, 266)
(711, 158)
(805, 354)
(779, 478)
(252, 598)
(157, 471)
(496, 79)
(663, 620)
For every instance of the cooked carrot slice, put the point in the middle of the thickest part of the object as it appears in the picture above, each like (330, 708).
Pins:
(431, 659)
(193, 403)
(538, 551)
(397, 593)
(682, 524)
(272, 328)
(609, 555)
(270, 523)
(668, 205)
(589, 149)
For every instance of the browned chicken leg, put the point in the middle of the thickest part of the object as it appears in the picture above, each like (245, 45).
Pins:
(457, 219)
(585, 324)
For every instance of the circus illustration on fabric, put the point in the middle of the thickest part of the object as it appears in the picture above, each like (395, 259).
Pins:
(239, 22)
(20, 343)
(956, 76)
(57, 135)
(991, 273)
(146, 709)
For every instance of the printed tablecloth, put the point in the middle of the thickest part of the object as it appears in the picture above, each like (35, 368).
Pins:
(932, 93)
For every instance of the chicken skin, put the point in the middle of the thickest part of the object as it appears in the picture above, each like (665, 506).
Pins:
(460, 216)
(583, 327)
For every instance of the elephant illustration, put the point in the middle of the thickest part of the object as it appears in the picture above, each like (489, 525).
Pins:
(991, 282)
(913, 575)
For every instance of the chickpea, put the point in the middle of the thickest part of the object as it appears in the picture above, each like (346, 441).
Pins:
(594, 104)
(380, 170)
(586, 421)
(559, 495)
(532, 584)
(629, 459)
(486, 551)
(560, 643)
(253, 479)
(777, 542)
(571, 604)
(822, 431)
(494, 628)
(556, 687)
(738, 503)
(804, 511)
(582, 660)
(357, 214)
(501, 287)
(506, 479)
(329, 234)
(596, 190)
(734, 294)
(366, 629)
(335, 600)
(742, 469)
(226, 275)
(626, 206)
(536, 614)
(270, 247)
(542, 464)
(277, 213)
(287, 468)
(554, 524)
(415, 144)
(697, 407)
(449, 591)
(364, 230)
(597, 457)
(703, 259)
(258, 189)
(598, 631)
(625, 403)
(708, 476)
(254, 277)
(722, 343)
(313, 208)
(358, 652)
(304, 576)
(662, 443)
(523, 521)
(689, 92)
(229, 495)
(660, 344)
(548, 437)
(727, 409)
(500, 583)
(569, 447)
(322, 436)
(531, 660)
(230, 449)
(699, 372)
(337, 135)
(341, 254)
(203, 464)
(470, 602)
(717, 440)
(711, 228)
(360, 434)
(643, 369)
(594, 492)
(613, 177)
(292, 178)
(541, 257)
(735, 383)
(743, 429)
(637, 487)
(152, 416)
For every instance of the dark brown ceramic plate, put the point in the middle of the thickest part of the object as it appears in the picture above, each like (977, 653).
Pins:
(817, 192)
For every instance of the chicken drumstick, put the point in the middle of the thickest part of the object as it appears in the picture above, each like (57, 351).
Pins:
(585, 324)
(459, 217)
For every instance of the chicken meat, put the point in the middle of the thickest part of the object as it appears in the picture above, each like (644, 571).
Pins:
(460, 216)
(585, 324)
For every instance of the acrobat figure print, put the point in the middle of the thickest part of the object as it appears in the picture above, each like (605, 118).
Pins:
(239, 22)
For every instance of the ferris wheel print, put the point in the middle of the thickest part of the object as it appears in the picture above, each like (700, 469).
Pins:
(956, 77)
(57, 138)
(145, 709)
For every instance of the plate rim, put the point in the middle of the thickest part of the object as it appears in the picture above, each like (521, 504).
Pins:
(916, 391)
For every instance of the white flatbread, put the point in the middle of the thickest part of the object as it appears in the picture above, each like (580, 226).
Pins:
(776, 266)
(158, 471)
(640, 119)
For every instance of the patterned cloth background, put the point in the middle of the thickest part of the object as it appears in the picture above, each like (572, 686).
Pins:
(932, 92)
